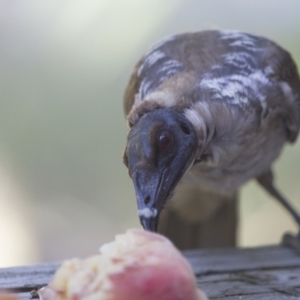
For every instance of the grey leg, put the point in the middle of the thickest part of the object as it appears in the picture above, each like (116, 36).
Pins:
(266, 181)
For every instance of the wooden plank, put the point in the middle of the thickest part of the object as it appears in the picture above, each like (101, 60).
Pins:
(256, 273)
(234, 259)
(26, 278)
(258, 297)
(279, 283)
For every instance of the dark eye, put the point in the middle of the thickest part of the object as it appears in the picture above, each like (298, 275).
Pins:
(165, 140)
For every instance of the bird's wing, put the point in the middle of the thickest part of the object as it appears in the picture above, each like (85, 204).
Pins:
(131, 89)
(178, 54)
(236, 68)
(283, 71)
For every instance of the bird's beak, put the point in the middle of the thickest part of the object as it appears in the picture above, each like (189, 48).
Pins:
(150, 197)
(149, 224)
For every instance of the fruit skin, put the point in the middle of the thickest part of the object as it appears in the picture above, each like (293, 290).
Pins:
(6, 295)
(138, 265)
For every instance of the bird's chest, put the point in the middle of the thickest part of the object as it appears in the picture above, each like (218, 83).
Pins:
(239, 161)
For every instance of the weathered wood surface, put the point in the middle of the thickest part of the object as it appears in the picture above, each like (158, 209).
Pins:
(269, 273)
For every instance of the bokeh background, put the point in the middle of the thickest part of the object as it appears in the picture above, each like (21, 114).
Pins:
(64, 65)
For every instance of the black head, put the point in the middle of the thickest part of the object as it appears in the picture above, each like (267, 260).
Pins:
(160, 149)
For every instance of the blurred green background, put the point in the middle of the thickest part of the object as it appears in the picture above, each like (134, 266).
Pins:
(64, 65)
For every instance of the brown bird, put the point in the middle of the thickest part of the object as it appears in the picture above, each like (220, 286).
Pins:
(209, 110)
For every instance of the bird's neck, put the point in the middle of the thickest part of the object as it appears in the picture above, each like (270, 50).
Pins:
(216, 125)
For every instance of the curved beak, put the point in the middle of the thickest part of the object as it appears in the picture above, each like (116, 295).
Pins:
(150, 200)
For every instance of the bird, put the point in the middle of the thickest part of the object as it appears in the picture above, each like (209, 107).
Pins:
(208, 111)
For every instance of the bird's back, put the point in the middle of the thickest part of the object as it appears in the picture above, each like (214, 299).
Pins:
(244, 87)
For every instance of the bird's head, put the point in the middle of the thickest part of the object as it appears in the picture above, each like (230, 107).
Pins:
(161, 148)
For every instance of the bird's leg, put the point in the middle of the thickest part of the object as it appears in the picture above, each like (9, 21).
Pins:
(266, 180)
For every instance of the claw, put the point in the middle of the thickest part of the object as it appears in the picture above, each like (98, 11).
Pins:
(292, 241)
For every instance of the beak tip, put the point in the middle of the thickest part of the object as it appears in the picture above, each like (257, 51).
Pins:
(149, 224)
(149, 219)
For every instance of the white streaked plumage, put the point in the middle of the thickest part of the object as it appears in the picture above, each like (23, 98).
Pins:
(238, 39)
(237, 89)
(151, 59)
(147, 213)
(233, 97)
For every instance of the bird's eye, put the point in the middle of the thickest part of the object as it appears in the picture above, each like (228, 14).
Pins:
(165, 140)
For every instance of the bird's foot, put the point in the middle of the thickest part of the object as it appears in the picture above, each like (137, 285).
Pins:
(292, 241)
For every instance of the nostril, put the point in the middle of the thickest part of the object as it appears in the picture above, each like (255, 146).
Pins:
(147, 200)
(185, 129)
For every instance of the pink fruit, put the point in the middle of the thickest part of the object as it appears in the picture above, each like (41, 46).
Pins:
(5, 295)
(138, 265)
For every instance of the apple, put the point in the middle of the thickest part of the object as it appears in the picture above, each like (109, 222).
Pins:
(138, 265)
